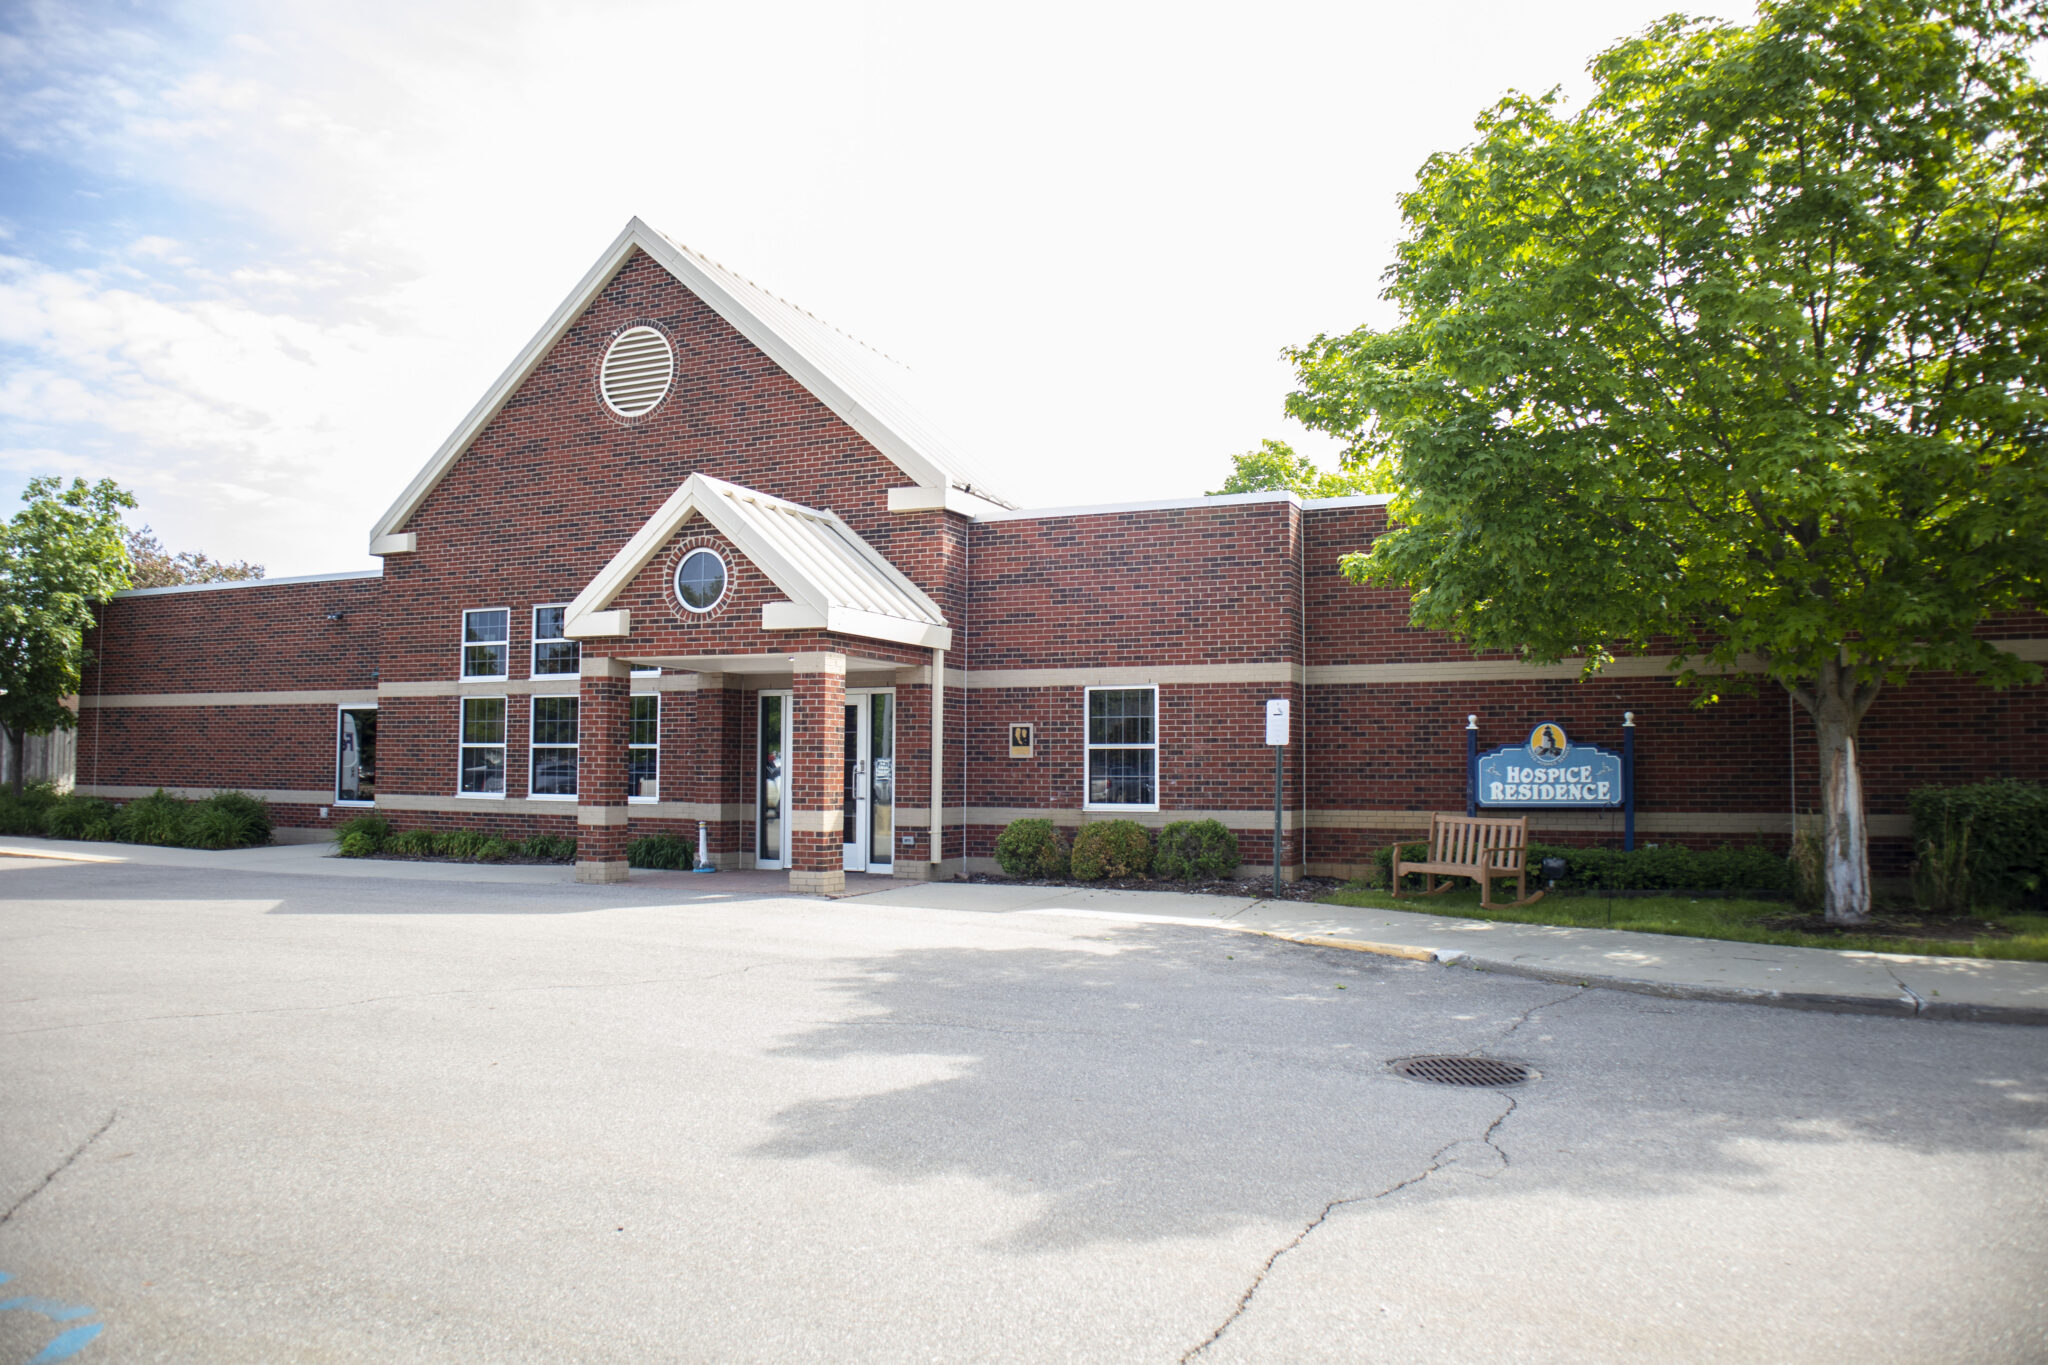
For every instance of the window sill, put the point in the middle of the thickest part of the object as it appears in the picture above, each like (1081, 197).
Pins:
(1152, 809)
(480, 796)
(643, 800)
(550, 796)
(353, 804)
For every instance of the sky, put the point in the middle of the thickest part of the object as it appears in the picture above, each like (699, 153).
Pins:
(257, 260)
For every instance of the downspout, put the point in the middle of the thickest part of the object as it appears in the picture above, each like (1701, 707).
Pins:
(938, 760)
(1301, 673)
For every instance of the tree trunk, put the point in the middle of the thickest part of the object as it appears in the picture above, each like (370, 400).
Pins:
(14, 745)
(1837, 700)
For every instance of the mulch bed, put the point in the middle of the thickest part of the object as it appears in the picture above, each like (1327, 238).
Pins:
(1920, 928)
(518, 860)
(1307, 889)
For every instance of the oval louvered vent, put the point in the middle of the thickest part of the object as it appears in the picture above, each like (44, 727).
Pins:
(636, 371)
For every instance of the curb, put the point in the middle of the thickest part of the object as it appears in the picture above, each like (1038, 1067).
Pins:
(1898, 1007)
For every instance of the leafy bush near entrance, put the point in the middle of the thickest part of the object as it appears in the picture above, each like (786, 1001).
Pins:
(1112, 848)
(1032, 848)
(24, 814)
(1670, 868)
(79, 817)
(1997, 830)
(1192, 850)
(418, 843)
(158, 818)
(363, 836)
(550, 848)
(669, 851)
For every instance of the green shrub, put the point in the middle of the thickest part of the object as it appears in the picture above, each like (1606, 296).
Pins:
(24, 814)
(159, 818)
(1032, 848)
(1809, 887)
(206, 825)
(1192, 850)
(2008, 824)
(356, 843)
(461, 843)
(416, 843)
(554, 848)
(496, 849)
(79, 817)
(362, 836)
(250, 816)
(1941, 870)
(1111, 848)
(1670, 868)
(669, 851)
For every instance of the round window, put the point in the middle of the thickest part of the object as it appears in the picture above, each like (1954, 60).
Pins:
(700, 580)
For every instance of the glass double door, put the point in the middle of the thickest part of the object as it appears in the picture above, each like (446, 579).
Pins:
(868, 791)
(868, 786)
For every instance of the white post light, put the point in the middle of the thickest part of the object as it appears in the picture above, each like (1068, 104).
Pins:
(1276, 736)
(703, 849)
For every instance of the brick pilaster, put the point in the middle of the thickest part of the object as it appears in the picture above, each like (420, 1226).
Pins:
(817, 768)
(602, 726)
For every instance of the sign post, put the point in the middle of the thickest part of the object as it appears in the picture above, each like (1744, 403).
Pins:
(1628, 781)
(1276, 739)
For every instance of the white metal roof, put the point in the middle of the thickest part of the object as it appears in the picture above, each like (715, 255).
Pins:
(859, 384)
(834, 579)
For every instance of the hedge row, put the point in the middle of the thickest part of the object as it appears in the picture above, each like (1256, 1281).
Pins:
(1186, 850)
(1994, 833)
(1670, 868)
(223, 820)
(368, 836)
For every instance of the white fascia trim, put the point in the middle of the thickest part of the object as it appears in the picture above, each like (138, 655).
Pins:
(942, 499)
(599, 625)
(350, 576)
(404, 543)
(1354, 500)
(1157, 505)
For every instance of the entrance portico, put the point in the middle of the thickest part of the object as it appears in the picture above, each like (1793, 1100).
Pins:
(841, 652)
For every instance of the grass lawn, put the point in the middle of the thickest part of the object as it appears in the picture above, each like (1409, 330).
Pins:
(1990, 935)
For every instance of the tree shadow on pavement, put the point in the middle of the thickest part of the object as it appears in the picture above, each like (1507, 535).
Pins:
(1161, 1082)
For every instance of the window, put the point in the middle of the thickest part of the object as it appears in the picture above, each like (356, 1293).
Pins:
(355, 757)
(643, 749)
(483, 746)
(485, 647)
(554, 747)
(700, 580)
(554, 653)
(1123, 747)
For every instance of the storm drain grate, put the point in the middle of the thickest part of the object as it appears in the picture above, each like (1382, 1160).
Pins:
(1463, 1071)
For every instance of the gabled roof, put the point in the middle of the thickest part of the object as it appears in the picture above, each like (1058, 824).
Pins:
(859, 384)
(834, 579)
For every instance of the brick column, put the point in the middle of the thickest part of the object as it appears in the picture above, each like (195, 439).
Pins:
(817, 775)
(603, 719)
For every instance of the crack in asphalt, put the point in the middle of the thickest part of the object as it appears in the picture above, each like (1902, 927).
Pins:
(1919, 1005)
(59, 1168)
(1436, 1162)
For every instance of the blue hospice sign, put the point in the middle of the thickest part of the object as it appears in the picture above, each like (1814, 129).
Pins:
(1549, 771)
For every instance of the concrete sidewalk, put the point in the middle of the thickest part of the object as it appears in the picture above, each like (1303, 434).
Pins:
(1652, 964)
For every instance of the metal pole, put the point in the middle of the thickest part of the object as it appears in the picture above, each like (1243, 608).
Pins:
(1472, 765)
(1277, 751)
(1628, 781)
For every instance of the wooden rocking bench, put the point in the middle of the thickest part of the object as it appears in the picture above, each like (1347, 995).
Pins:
(1476, 846)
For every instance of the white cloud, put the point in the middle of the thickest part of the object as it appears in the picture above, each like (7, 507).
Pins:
(322, 230)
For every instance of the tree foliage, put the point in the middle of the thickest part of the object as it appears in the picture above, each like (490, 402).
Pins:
(152, 566)
(1274, 467)
(61, 554)
(1747, 357)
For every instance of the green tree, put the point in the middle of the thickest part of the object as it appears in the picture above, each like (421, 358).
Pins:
(59, 556)
(152, 566)
(1274, 467)
(1745, 358)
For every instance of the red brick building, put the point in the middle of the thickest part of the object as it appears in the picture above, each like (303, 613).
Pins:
(692, 559)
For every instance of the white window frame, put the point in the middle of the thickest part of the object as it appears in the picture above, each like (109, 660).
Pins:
(463, 646)
(1088, 747)
(462, 744)
(533, 745)
(634, 798)
(537, 640)
(724, 580)
(352, 804)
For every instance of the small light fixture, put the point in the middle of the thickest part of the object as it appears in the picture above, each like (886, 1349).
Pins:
(1553, 870)
(334, 616)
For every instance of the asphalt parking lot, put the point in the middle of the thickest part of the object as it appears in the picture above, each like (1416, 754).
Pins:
(252, 1117)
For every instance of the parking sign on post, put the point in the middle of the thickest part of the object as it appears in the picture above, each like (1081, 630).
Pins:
(1276, 736)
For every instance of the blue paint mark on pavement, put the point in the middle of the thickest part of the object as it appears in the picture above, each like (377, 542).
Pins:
(67, 1344)
(49, 1308)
